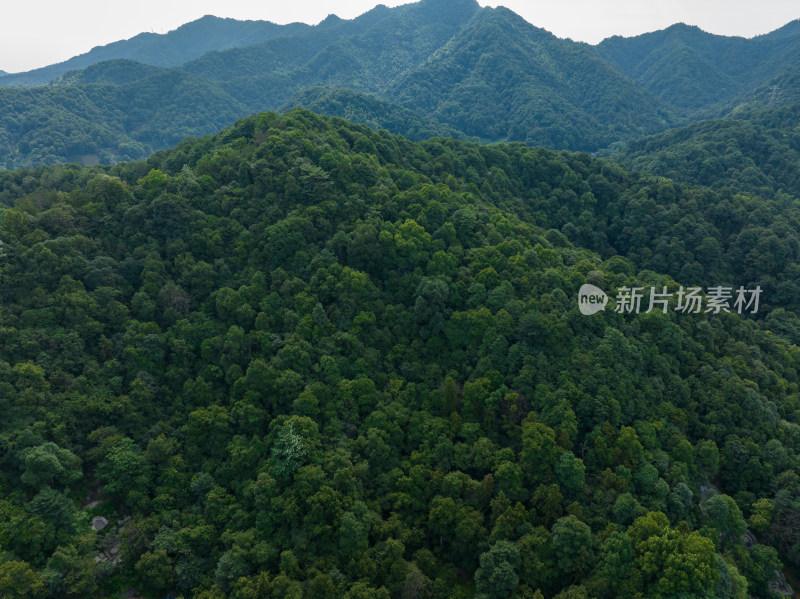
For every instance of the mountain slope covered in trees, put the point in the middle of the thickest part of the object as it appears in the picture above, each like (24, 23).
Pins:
(476, 72)
(310, 359)
(503, 78)
(171, 49)
(756, 152)
(148, 108)
(448, 59)
(372, 111)
(698, 73)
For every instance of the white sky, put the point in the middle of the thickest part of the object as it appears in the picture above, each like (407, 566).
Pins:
(37, 33)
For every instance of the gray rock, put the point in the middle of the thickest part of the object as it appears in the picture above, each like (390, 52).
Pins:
(99, 523)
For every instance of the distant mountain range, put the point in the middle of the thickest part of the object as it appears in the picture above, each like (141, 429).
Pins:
(697, 73)
(167, 50)
(434, 68)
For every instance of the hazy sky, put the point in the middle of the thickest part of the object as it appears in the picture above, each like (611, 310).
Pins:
(36, 33)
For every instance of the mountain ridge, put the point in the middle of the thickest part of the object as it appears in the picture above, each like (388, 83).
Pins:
(170, 49)
(482, 72)
(761, 152)
(698, 73)
(565, 96)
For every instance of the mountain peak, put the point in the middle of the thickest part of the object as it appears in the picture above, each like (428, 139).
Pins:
(206, 18)
(503, 17)
(449, 6)
(331, 19)
(450, 2)
(685, 29)
(681, 26)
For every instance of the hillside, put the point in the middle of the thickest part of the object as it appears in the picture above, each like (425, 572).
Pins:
(788, 30)
(425, 56)
(503, 78)
(430, 68)
(756, 152)
(309, 359)
(700, 74)
(115, 72)
(106, 122)
(783, 90)
(283, 58)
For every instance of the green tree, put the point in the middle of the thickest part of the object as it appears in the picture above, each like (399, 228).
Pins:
(69, 574)
(539, 450)
(572, 540)
(497, 576)
(47, 464)
(761, 514)
(154, 571)
(570, 472)
(726, 517)
(123, 471)
(672, 561)
(19, 581)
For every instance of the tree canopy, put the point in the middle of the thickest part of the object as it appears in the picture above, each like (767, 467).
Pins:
(310, 359)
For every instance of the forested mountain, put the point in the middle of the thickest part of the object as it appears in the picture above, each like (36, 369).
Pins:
(440, 67)
(366, 54)
(448, 59)
(278, 58)
(756, 152)
(171, 49)
(115, 72)
(698, 73)
(503, 78)
(788, 30)
(308, 359)
(783, 89)
(109, 122)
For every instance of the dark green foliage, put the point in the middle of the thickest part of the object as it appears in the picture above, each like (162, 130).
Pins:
(101, 122)
(698, 73)
(756, 152)
(432, 68)
(312, 359)
(427, 69)
(504, 79)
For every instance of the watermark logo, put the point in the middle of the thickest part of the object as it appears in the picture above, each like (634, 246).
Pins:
(692, 300)
(591, 299)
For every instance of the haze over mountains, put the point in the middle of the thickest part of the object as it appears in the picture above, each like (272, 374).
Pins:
(167, 50)
(449, 67)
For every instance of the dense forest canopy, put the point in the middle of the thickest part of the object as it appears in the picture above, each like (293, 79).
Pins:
(302, 358)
